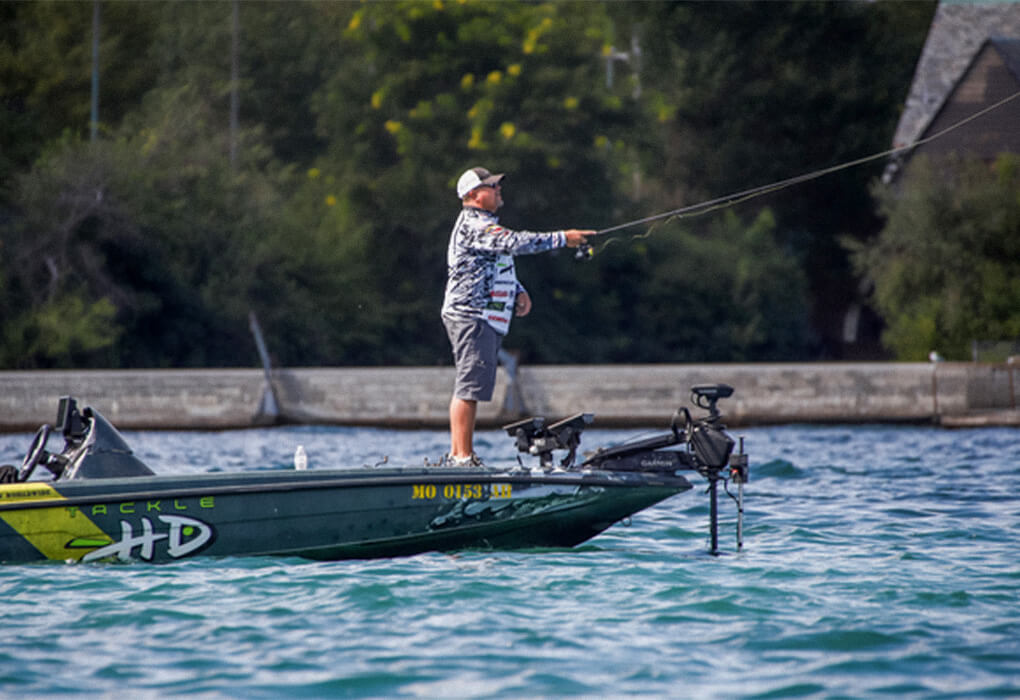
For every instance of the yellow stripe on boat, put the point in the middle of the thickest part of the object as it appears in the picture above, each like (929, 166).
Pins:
(61, 532)
(31, 491)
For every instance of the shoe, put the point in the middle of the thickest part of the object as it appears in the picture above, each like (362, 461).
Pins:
(471, 460)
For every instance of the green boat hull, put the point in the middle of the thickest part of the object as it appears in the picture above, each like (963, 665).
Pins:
(101, 503)
(325, 515)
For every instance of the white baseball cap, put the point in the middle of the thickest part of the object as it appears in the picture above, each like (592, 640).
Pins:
(476, 177)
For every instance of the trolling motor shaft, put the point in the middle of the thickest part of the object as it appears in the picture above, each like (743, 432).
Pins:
(739, 475)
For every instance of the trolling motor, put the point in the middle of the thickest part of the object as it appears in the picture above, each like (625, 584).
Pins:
(714, 449)
(700, 445)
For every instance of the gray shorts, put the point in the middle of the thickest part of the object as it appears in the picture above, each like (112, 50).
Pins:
(476, 355)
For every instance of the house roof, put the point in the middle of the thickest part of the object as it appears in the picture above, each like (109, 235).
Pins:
(958, 32)
(1009, 49)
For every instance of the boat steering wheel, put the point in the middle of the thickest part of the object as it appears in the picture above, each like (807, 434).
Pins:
(36, 452)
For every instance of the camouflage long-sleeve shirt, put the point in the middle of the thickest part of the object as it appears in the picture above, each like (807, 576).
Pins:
(481, 280)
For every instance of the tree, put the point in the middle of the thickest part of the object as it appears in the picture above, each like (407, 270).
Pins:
(727, 290)
(147, 248)
(946, 266)
(155, 224)
(356, 120)
(437, 88)
(749, 93)
(45, 71)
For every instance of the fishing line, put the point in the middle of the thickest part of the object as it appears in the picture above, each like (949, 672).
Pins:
(746, 195)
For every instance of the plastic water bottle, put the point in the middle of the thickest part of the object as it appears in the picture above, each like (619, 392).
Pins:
(300, 458)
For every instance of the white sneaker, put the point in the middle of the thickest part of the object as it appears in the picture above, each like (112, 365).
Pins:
(471, 460)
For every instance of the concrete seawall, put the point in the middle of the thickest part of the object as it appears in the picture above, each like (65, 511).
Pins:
(952, 394)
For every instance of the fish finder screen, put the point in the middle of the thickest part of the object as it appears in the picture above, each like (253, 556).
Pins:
(63, 418)
(69, 421)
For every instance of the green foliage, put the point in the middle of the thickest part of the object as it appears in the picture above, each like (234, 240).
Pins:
(758, 92)
(63, 332)
(439, 88)
(728, 290)
(946, 267)
(767, 91)
(149, 247)
(155, 221)
(45, 71)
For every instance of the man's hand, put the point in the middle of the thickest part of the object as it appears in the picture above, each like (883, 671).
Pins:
(577, 237)
(523, 304)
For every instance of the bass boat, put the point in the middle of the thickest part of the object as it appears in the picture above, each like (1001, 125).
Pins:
(94, 500)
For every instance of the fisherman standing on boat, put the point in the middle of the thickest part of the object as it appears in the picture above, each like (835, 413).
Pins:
(482, 295)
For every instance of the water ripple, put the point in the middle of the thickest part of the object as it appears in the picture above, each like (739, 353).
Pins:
(879, 561)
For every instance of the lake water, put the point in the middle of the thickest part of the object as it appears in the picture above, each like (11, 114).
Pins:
(879, 562)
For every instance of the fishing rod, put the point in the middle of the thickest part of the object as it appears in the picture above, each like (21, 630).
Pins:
(587, 251)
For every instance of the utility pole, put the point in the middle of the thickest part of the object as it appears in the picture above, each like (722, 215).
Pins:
(94, 116)
(632, 57)
(235, 103)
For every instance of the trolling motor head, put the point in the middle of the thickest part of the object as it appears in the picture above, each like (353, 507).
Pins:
(706, 396)
(712, 446)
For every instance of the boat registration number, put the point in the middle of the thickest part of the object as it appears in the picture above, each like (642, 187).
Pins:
(430, 491)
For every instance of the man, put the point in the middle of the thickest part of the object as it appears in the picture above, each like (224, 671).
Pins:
(482, 295)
